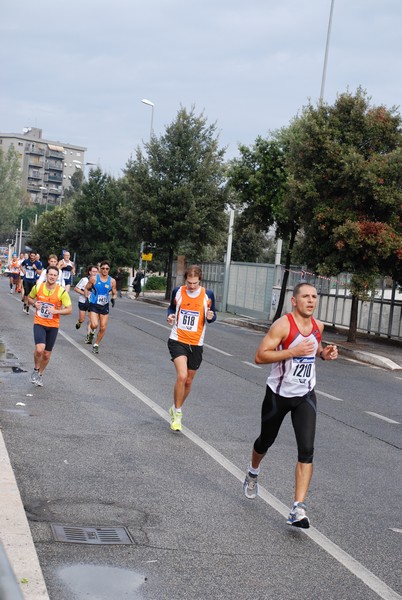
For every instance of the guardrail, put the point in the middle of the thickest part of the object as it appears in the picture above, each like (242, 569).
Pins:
(9, 588)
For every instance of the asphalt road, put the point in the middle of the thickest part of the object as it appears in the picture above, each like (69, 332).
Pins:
(93, 448)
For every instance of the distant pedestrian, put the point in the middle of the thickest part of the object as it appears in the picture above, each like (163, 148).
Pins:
(137, 282)
(291, 346)
(50, 300)
(191, 308)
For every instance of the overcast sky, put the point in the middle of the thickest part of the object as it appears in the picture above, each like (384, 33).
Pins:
(78, 69)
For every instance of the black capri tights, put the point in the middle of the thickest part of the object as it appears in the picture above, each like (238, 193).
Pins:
(303, 411)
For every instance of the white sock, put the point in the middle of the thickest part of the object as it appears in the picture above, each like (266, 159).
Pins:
(253, 471)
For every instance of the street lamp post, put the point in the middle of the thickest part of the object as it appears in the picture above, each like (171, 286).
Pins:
(324, 71)
(43, 188)
(151, 104)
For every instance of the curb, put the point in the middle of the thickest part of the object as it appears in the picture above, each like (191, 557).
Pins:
(16, 535)
(364, 357)
(369, 358)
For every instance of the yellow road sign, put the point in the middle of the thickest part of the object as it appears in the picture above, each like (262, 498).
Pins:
(147, 257)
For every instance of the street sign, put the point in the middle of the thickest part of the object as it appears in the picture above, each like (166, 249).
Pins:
(147, 257)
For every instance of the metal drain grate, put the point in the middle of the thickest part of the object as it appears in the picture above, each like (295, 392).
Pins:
(91, 535)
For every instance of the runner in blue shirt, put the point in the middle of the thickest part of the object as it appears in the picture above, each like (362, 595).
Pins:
(97, 290)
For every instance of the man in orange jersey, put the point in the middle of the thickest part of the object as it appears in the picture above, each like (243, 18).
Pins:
(191, 307)
(50, 301)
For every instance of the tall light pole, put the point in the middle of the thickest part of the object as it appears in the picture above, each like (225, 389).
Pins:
(151, 104)
(43, 188)
(324, 71)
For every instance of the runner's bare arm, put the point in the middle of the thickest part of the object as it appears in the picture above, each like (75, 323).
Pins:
(267, 352)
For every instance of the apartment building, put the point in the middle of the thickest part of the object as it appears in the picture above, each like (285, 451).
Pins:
(46, 166)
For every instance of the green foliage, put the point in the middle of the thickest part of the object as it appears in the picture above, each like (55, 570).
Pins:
(48, 236)
(96, 227)
(175, 194)
(10, 192)
(258, 178)
(345, 180)
(249, 244)
(154, 282)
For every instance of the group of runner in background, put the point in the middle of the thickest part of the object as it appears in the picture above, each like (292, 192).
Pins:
(47, 290)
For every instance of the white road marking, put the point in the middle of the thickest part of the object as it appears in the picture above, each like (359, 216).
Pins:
(169, 328)
(329, 396)
(396, 530)
(345, 559)
(373, 414)
(251, 364)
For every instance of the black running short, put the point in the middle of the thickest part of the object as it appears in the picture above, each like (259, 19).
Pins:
(98, 309)
(45, 335)
(193, 353)
(28, 285)
(83, 305)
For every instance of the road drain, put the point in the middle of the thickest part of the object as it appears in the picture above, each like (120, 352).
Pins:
(91, 535)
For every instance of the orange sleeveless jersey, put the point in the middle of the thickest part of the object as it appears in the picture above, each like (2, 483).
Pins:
(57, 298)
(190, 318)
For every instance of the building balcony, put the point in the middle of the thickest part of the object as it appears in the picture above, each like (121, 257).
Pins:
(33, 162)
(56, 165)
(36, 151)
(55, 154)
(34, 186)
(54, 178)
(55, 192)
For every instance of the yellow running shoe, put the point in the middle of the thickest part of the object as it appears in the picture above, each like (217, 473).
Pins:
(175, 424)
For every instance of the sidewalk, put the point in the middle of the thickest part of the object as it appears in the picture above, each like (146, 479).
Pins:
(369, 348)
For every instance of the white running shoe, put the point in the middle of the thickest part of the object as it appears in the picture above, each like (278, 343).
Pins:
(250, 485)
(39, 381)
(297, 516)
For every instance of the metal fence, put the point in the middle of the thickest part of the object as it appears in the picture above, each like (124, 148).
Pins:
(254, 288)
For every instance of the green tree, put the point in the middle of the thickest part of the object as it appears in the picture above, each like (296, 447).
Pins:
(345, 179)
(249, 243)
(10, 192)
(96, 228)
(77, 180)
(48, 235)
(258, 177)
(175, 193)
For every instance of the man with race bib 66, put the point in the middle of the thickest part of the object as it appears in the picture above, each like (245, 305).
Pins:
(50, 301)
(291, 346)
